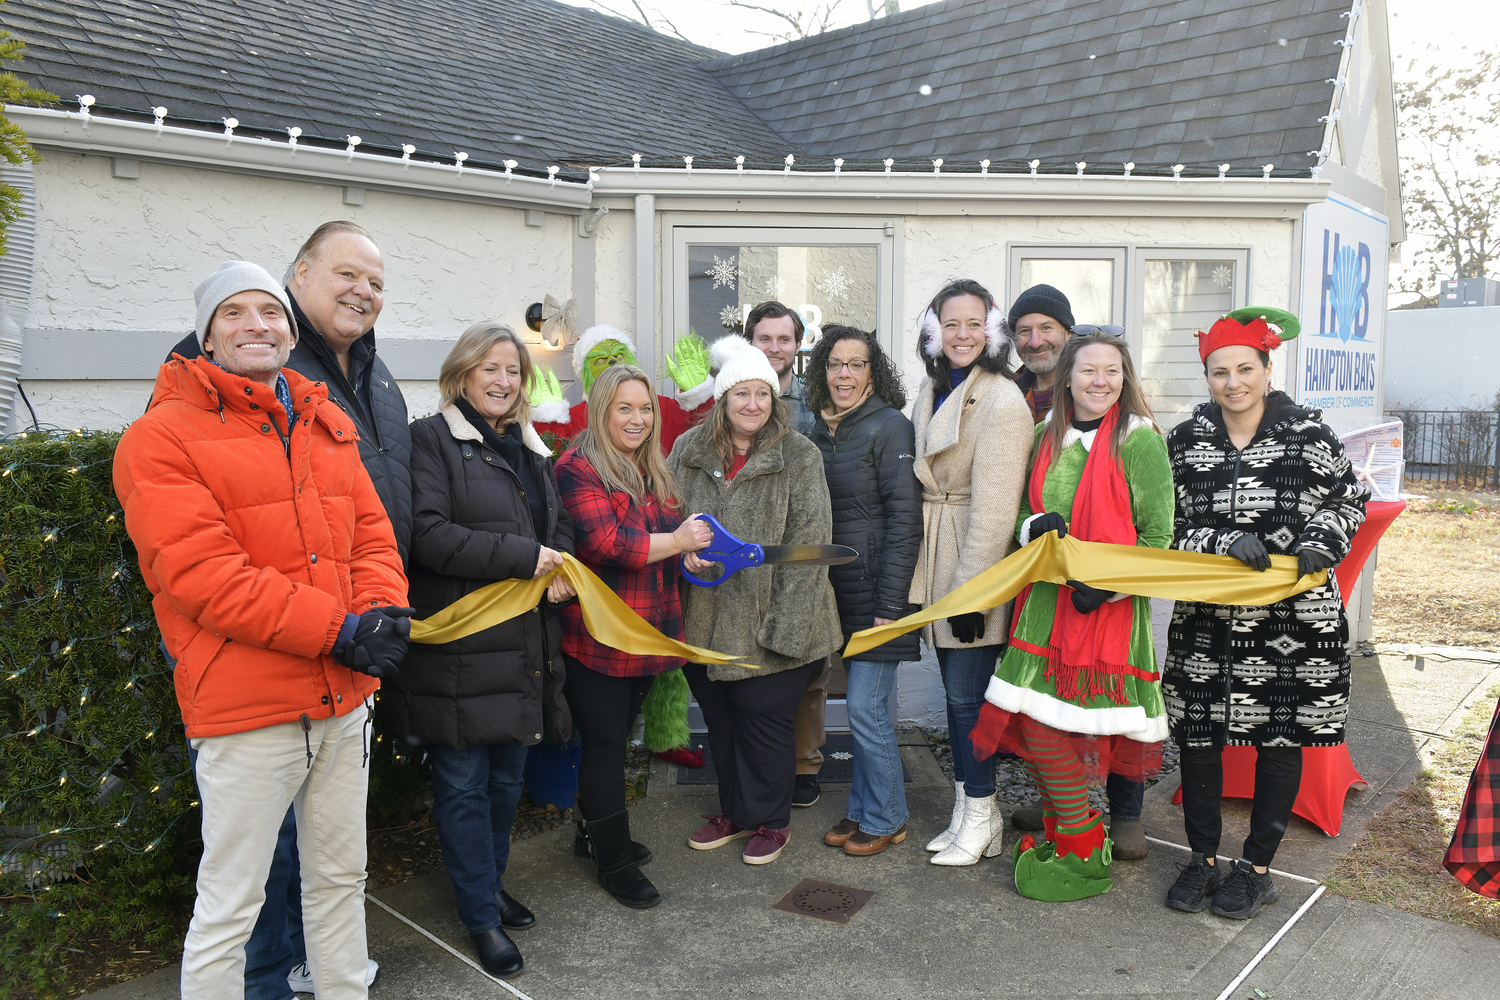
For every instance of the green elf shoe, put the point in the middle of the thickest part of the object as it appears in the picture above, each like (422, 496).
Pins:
(1045, 847)
(1076, 868)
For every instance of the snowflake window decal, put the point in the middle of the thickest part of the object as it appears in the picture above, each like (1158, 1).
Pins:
(724, 272)
(1223, 276)
(835, 284)
(777, 288)
(729, 317)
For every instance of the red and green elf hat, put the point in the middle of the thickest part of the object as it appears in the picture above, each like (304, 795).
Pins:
(1260, 327)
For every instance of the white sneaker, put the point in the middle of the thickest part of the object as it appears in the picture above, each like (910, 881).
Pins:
(299, 980)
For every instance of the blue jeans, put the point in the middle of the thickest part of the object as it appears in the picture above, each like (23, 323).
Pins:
(877, 796)
(966, 675)
(475, 793)
(1125, 797)
(276, 944)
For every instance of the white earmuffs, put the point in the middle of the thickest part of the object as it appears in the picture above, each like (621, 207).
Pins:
(995, 330)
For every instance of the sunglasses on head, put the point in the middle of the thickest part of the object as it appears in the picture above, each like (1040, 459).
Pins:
(1085, 329)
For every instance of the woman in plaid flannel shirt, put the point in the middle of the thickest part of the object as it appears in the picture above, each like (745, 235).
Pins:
(628, 525)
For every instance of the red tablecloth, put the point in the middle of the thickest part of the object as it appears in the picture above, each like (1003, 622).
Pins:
(1327, 772)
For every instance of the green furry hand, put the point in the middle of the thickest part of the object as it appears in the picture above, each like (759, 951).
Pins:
(688, 362)
(545, 388)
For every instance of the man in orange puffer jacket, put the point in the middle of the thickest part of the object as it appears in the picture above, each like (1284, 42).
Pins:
(277, 585)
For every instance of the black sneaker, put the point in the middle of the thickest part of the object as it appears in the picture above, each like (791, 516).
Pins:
(806, 791)
(1243, 892)
(1196, 883)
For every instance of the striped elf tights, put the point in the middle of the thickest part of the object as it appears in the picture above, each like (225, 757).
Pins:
(1054, 766)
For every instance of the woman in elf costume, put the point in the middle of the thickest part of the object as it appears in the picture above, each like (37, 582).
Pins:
(599, 348)
(1077, 693)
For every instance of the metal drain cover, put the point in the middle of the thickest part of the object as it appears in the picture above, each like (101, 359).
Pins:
(823, 900)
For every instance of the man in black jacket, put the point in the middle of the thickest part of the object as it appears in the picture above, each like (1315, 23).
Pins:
(337, 288)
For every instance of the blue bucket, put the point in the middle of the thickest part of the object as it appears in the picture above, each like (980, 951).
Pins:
(551, 774)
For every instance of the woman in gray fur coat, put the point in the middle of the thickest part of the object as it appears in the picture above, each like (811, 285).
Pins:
(765, 484)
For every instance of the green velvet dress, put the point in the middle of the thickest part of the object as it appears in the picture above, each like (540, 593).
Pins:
(1020, 683)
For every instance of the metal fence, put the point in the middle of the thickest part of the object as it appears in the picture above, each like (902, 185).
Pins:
(1460, 448)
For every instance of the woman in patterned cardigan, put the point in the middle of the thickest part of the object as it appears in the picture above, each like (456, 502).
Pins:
(1255, 474)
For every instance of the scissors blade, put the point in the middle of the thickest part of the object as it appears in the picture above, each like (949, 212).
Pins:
(809, 555)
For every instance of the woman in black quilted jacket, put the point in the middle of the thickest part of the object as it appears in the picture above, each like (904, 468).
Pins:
(485, 508)
(868, 446)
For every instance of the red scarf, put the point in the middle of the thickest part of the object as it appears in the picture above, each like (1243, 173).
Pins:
(1089, 655)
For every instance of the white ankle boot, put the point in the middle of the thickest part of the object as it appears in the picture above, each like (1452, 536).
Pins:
(945, 838)
(979, 834)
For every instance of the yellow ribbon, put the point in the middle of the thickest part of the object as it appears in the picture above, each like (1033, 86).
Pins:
(608, 619)
(1128, 569)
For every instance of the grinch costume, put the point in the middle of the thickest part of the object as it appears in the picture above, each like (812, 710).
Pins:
(666, 705)
(1078, 691)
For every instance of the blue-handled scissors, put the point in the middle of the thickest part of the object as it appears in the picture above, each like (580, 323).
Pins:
(734, 555)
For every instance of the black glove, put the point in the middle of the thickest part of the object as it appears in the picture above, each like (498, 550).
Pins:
(1086, 599)
(1251, 551)
(967, 628)
(1049, 521)
(379, 643)
(1312, 560)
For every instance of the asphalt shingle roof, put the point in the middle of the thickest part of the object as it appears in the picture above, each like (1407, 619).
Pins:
(1199, 82)
(574, 85)
(1156, 82)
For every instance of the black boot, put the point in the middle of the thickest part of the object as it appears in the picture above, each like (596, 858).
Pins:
(514, 916)
(497, 953)
(618, 871)
(581, 847)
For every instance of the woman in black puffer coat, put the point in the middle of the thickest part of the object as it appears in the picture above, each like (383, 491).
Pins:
(485, 508)
(868, 449)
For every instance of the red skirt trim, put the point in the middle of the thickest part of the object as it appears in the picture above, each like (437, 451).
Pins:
(1100, 756)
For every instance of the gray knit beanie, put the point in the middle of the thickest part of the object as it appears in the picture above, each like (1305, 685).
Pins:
(233, 277)
(1042, 299)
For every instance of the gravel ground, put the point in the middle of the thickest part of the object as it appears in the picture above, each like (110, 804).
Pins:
(1012, 783)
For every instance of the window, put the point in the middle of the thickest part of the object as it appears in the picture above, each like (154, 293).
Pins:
(1180, 292)
(1093, 278)
(715, 275)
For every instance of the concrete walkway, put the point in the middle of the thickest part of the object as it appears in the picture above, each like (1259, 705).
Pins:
(931, 932)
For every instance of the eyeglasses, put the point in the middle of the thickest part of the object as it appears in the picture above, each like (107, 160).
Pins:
(855, 367)
(1085, 329)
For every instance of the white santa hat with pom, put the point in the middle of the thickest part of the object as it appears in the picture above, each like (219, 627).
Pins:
(736, 361)
(592, 338)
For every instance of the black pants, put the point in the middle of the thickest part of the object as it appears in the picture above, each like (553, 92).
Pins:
(604, 708)
(1278, 776)
(753, 741)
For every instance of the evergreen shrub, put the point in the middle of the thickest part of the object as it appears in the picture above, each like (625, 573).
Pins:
(99, 829)
(97, 820)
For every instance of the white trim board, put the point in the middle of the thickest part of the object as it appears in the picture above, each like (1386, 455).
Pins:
(66, 130)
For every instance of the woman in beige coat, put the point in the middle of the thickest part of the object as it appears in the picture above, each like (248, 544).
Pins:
(974, 435)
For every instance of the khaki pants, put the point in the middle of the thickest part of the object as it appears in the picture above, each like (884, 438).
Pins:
(245, 782)
(809, 721)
